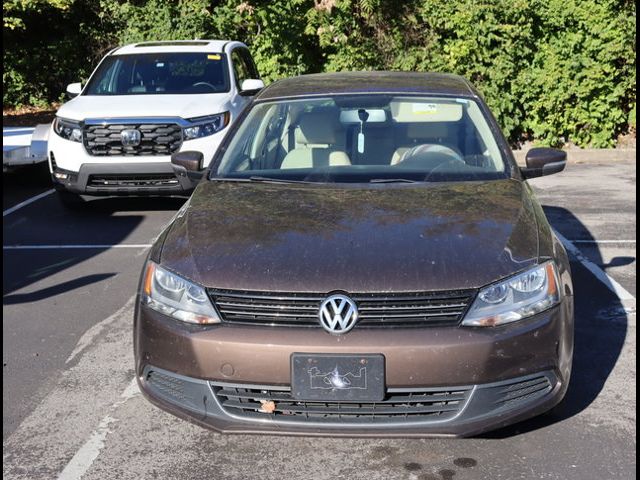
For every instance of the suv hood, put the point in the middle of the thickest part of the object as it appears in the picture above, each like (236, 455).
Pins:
(307, 238)
(113, 106)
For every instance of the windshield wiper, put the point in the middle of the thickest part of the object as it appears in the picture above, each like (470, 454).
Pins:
(393, 180)
(276, 180)
(258, 179)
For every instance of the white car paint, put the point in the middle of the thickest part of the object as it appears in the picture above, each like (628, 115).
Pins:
(70, 155)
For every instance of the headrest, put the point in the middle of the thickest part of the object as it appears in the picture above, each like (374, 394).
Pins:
(318, 127)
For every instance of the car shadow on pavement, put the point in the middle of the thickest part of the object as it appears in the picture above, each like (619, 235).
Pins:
(105, 205)
(600, 331)
(57, 289)
(100, 221)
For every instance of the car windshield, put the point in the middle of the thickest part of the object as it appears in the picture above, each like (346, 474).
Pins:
(363, 139)
(160, 73)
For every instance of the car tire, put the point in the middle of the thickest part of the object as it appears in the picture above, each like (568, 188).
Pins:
(70, 200)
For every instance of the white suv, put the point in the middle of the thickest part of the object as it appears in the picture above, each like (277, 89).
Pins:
(141, 104)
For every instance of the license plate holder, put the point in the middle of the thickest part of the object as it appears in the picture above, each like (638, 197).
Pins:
(337, 377)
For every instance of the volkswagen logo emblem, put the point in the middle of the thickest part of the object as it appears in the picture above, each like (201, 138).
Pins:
(130, 137)
(338, 314)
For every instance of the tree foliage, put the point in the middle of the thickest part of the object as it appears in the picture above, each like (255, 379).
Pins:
(552, 71)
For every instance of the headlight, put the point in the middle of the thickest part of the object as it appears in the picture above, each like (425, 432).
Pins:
(68, 129)
(206, 126)
(172, 295)
(516, 298)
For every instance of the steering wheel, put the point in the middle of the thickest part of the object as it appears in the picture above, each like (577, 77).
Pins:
(205, 84)
(431, 153)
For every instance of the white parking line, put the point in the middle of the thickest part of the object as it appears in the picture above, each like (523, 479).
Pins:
(626, 298)
(27, 202)
(86, 455)
(63, 247)
(602, 241)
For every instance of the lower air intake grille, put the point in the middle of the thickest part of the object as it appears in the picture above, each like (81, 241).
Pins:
(398, 405)
(523, 391)
(158, 180)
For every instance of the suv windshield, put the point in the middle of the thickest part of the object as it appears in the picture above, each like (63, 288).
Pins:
(160, 73)
(363, 138)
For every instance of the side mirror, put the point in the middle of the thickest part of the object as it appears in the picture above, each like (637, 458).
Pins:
(187, 167)
(190, 161)
(251, 86)
(543, 161)
(74, 89)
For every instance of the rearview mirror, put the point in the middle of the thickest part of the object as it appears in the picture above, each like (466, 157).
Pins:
(251, 86)
(74, 89)
(543, 161)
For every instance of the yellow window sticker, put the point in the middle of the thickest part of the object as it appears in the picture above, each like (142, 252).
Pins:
(213, 57)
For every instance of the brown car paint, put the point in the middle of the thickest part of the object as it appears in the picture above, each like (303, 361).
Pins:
(382, 238)
(354, 238)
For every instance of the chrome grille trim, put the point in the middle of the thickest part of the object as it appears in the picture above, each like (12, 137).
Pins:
(443, 308)
(103, 140)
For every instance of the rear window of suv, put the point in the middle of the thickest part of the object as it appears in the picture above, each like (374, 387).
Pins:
(160, 73)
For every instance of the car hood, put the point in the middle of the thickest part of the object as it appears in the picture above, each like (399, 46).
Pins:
(115, 106)
(307, 238)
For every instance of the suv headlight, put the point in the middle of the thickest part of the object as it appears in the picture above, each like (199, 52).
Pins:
(206, 126)
(67, 129)
(516, 298)
(176, 297)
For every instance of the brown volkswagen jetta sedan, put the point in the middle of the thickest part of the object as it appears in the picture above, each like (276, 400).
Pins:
(363, 257)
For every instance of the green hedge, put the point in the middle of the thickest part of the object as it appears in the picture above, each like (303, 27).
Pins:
(553, 71)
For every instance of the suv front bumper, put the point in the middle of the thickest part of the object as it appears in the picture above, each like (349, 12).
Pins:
(123, 179)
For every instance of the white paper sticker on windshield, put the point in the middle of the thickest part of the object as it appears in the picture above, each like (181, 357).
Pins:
(424, 108)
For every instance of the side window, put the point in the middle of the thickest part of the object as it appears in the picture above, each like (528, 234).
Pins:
(249, 64)
(106, 82)
(239, 67)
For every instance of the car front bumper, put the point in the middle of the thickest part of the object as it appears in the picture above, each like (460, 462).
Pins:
(219, 376)
(122, 175)
(123, 179)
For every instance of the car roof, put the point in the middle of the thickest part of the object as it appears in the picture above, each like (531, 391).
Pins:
(205, 46)
(345, 83)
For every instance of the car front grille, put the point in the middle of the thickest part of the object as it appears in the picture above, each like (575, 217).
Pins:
(158, 180)
(375, 310)
(398, 405)
(155, 139)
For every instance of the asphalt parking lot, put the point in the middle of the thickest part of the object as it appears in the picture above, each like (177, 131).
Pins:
(70, 409)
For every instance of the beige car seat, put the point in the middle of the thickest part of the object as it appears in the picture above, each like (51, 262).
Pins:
(316, 138)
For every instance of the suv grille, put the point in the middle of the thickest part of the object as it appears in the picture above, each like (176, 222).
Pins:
(156, 139)
(158, 180)
(376, 310)
(399, 404)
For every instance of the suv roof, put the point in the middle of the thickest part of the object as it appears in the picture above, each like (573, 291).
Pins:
(216, 46)
(345, 83)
